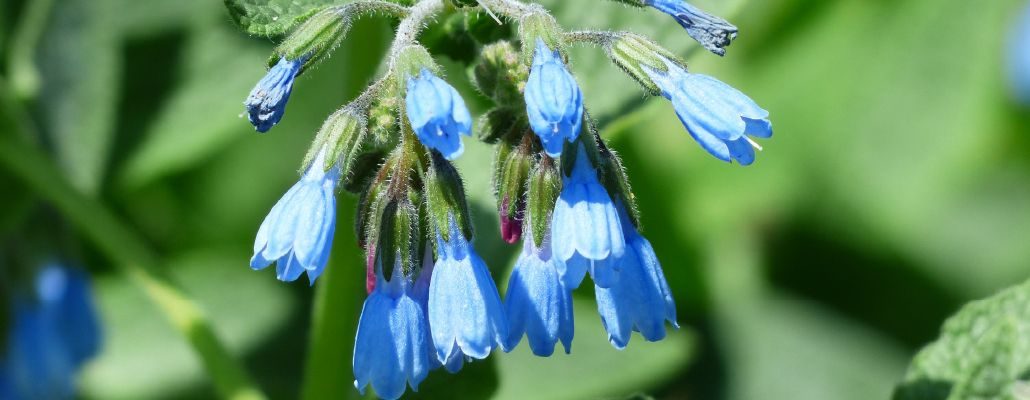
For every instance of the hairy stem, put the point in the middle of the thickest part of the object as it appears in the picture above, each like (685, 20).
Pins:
(412, 25)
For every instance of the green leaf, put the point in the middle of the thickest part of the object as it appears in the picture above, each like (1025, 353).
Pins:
(273, 17)
(139, 343)
(983, 352)
(79, 69)
(594, 369)
(203, 113)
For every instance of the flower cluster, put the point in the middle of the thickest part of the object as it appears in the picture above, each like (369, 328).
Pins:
(432, 301)
(53, 332)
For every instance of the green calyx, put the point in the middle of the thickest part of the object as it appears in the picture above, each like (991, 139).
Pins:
(411, 60)
(502, 124)
(543, 188)
(539, 26)
(512, 175)
(340, 140)
(398, 237)
(633, 53)
(315, 38)
(445, 197)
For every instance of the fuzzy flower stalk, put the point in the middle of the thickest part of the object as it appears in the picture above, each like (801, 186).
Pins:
(432, 296)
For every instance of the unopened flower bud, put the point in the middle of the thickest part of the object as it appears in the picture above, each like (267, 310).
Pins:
(510, 184)
(713, 33)
(554, 102)
(500, 75)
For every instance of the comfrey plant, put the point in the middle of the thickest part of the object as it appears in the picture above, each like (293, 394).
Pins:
(560, 190)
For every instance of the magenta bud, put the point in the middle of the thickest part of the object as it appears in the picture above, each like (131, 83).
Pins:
(511, 222)
(370, 270)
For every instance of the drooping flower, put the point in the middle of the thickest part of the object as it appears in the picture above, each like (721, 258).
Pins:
(298, 233)
(640, 300)
(554, 102)
(585, 227)
(465, 312)
(266, 103)
(718, 116)
(437, 114)
(393, 347)
(53, 332)
(712, 32)
(1019, 57)
(537, 303)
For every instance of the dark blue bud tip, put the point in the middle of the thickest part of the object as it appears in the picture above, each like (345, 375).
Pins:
(266, 103)
(713, 33)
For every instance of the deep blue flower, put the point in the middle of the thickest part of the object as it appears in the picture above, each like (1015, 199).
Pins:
(437, 114)
(53, 332)
(465, 312)
(393, 346)
(585, 228)
(537, 302)
(718, 116)
(640, 300)
(1019, 57)
(712, 32)
(266, 103)
(554, 102)
(298, 232)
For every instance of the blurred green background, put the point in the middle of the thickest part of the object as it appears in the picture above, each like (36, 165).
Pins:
(896, 189)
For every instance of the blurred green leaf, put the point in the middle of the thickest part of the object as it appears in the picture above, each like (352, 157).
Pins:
(273, 17)
(983, 352)
(79, 69)
(144, 357)
(594, 368)
(779, 347)
(204, 112)
(898, 140)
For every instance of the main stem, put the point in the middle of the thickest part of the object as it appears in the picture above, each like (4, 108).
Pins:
(127, 251)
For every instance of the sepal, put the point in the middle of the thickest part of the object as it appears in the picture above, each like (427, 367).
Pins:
(634, 54)
(445, 198)
(543, 187)
(510, 186)
(412, 60)
(505, 124)
(315, 38)
(539, 26)
(341, 135)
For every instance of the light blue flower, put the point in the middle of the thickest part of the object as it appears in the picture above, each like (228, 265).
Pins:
(554, 102)
(54, 331)
(718, 116)
(640, 300)
(537, 302)
(712, 32)
(1019, 57)
(437, 114)
(585, 227)
(393, 347)
(298, 233)
(266, 103)
(465, 312)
